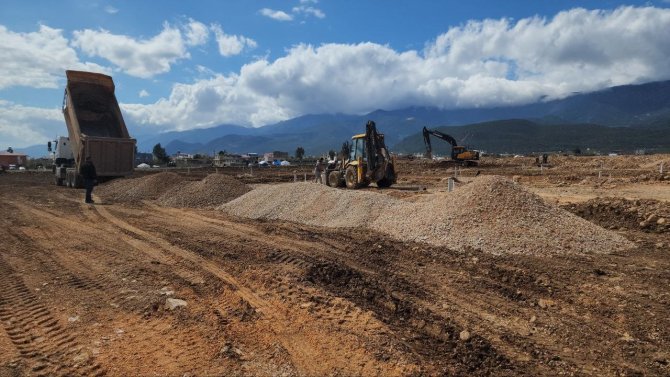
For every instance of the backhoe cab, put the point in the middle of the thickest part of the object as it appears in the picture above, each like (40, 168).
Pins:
(368, 161)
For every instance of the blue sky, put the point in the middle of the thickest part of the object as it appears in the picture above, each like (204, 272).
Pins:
(180, 65)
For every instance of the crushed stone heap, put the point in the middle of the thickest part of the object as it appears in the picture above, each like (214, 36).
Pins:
(491, 213)
(309, 203)
(498, 216)
(212, 191)
(149, 187)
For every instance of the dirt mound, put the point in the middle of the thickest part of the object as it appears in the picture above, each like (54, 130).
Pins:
(213, 190)
(614, 213)
(491, 213)
(310, 203)
(136, 189)
(497, 216)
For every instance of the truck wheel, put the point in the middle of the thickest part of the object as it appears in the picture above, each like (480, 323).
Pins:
(334, 179)
(58, 181)
(350, 178)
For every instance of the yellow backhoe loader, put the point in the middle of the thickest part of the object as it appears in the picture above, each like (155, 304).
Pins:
(368, 161)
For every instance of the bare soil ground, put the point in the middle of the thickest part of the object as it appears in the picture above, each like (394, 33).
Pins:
(86, 290)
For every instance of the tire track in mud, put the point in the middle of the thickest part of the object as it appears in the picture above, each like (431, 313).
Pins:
(301, 353)
(47, 348)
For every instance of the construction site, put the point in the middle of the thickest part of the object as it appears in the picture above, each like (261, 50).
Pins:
(376, 266)
(509, 269)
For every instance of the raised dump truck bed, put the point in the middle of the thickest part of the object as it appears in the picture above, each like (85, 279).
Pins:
(96, 129)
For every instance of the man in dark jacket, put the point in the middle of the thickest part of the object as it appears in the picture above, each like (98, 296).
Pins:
(87, 172)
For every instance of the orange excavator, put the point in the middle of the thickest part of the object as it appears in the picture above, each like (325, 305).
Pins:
(459, 153)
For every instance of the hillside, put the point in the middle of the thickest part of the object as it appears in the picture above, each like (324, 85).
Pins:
(524, 136)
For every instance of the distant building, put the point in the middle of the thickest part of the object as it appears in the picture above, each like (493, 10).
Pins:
(182, 156)
(9, 158)
(276, 155)
(228, 160)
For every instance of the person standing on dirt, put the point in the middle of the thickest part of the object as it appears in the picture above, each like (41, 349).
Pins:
(87, 172)
(318, 169)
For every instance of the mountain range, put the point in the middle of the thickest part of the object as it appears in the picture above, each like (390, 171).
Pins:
(623, 118)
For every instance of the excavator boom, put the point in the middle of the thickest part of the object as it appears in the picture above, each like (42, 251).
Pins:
(457, 153)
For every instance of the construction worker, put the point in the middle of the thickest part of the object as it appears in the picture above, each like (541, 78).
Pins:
(90, 176)
(318, 169)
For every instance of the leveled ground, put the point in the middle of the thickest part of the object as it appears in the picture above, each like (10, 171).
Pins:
(87, 289)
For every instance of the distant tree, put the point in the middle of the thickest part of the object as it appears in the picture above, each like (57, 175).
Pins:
(197, 156)
(299, 153)
(346, 149)
(222, 153)
(577, 150)
(159, 154)
(10, 150)
(331, 154)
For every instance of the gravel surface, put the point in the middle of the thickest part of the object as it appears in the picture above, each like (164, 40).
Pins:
(492, 214)
(149, 187)
(212, 191)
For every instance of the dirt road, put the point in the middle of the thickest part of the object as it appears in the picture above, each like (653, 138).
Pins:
(87, 290)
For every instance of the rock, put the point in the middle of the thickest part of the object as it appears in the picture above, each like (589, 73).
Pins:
(533, 319)
(652, 218)
(174, 303)
(464, 335)
(661, 221)
(306, 305)
(166, 291)
(73, 319)
(643, 224)
(545, 303)
(660, 245)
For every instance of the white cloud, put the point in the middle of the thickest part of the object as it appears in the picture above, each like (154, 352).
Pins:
(276, 14)
(22, 126)
(197, 33)
(310, 11)
(111, 10)
(483, 63)
(143, 58)
(38, 59)
(230, 45)
(143, 93)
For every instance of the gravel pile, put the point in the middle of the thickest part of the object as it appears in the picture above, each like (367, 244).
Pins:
(310, 203)
(498, 216)
(149, 187)
(491, 214)
(212, 191)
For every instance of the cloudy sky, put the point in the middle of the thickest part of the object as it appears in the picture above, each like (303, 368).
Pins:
(180, 65)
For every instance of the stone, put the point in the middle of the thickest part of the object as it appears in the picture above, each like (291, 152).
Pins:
(661, 221)
(166, 291)
(652, 218)
(660, 245)
(545, 303)
(174, 303)
(464, 335)
(533, 319)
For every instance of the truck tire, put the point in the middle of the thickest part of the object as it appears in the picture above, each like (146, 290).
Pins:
(58, 181)
(350, 178)
(334, 179)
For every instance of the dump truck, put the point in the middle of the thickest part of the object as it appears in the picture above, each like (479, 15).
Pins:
(459, 153)
(368, 161)
(95, 129)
